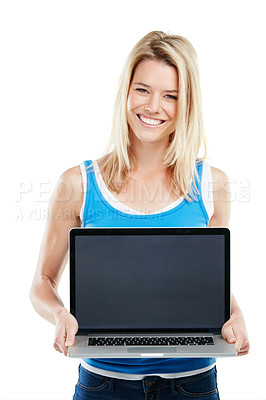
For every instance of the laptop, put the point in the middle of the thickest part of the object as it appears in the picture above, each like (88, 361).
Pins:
(150, 292)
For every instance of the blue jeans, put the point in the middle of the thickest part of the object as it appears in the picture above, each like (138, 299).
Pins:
(198, 387)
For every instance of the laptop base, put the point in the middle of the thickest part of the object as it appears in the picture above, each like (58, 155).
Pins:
(221, 348)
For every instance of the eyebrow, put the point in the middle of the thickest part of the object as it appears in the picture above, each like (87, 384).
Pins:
(148, 86)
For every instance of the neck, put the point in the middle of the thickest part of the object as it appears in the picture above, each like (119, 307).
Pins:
(148, 157)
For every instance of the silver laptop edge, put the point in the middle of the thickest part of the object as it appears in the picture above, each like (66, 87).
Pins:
(81, 349)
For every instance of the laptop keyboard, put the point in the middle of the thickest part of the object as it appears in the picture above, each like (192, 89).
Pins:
(151, 341)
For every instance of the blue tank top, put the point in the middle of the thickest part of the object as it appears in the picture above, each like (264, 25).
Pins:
(98, 212)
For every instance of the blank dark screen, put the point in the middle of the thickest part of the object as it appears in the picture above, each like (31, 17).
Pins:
(150, 282)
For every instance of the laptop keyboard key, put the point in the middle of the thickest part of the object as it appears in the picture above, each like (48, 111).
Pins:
(151, 341)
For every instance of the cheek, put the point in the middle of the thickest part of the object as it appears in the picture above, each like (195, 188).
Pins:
(130, 106)
(129, 109)
(132, 102)
(174, 112)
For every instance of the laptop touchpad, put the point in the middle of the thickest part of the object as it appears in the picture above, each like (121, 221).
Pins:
(152, 350)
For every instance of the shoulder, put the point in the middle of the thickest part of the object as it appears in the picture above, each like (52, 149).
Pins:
(217, 173)
(214, 176)
(221, 198)
(220, 183)
(69, 189)
(71, 179)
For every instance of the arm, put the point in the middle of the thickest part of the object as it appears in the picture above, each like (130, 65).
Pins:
(234, 330)
(63, 214)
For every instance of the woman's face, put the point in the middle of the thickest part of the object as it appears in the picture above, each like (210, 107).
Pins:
(152, 101)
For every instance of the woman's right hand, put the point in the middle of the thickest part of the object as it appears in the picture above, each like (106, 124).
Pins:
(65, 331)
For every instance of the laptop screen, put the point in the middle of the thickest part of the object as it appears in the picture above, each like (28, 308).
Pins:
(139, 282)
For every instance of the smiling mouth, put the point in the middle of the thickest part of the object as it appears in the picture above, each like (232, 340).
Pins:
(150, 121)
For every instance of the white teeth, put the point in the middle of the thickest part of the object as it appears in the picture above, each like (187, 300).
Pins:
(150, 121)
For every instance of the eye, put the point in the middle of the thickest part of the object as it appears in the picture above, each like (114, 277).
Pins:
(169, 96)
(142, 90)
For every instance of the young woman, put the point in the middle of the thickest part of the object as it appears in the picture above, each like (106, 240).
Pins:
(151, 175)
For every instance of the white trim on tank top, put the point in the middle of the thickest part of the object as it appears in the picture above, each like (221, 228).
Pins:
(136, 377)
(111, 199)
(206, 189)
(84, 182)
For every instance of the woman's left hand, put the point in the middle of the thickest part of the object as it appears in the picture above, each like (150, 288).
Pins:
(234, 331)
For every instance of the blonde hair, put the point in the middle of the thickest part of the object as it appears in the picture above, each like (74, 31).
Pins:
(181, 156)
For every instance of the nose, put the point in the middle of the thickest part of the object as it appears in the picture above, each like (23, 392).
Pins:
(154, 104)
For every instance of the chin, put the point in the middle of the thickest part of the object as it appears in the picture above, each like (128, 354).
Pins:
(149, 138)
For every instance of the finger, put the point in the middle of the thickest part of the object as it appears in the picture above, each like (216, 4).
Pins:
(244, 350)
(70, 340)
(228, 333)
(242, 353)
(71, 332)
(59, 343)
(65, 351)
(61, 348)
(239, 342)
(247, 346)
(57, 348)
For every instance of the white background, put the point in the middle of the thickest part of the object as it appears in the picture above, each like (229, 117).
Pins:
(60, 62)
